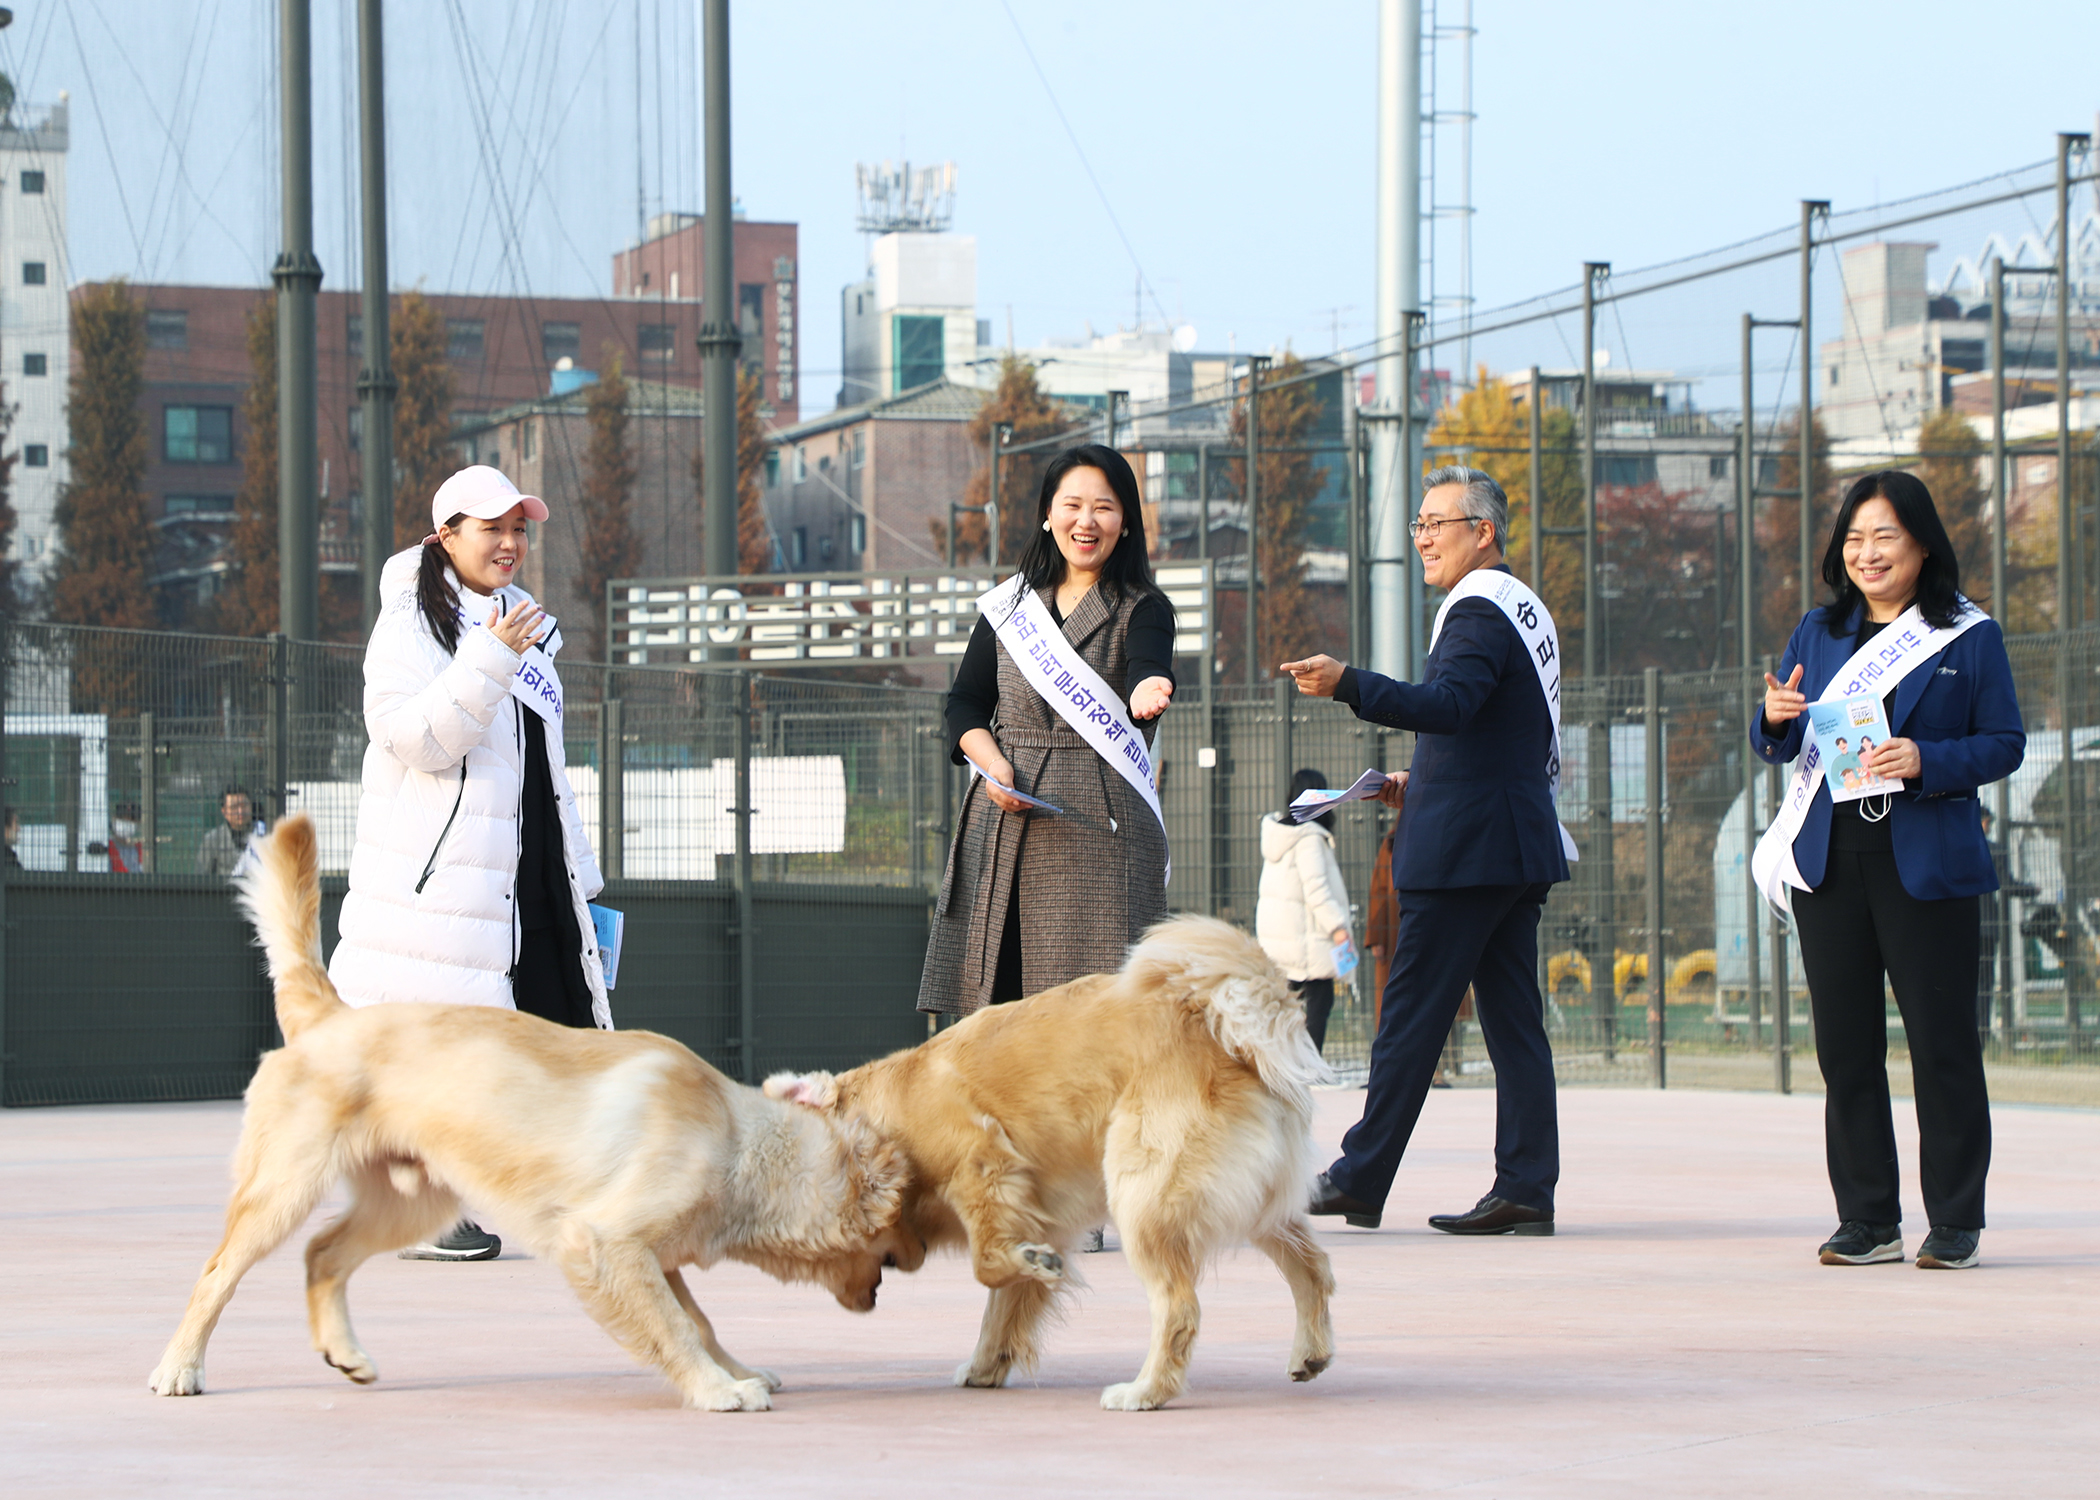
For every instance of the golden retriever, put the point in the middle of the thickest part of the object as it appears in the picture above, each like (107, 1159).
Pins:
(619, 1156)
(1173, 1096)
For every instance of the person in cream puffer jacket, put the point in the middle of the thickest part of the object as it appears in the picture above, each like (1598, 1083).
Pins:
(432, 912)
(1302, 906)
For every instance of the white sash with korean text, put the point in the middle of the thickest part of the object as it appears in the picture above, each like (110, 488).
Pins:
(1054, 668)
(535, 684)
(1906, 644)
(1534, 625)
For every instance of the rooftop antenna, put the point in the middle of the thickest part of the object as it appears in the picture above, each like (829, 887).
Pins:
(896, 199)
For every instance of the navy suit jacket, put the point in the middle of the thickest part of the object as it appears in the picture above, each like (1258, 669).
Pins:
(1960, 710)
(1479, 809)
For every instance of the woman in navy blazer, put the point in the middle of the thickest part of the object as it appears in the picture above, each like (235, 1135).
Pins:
(1895, 880)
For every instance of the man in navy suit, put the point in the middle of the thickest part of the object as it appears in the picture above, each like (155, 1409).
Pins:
(1476, 851)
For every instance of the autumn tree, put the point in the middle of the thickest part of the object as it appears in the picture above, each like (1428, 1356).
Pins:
(610, 547)
(1487, 429)
(1658, 579)
(1287, 484)
(754, 542)
(1016, 402)
(104, 535)
(247, 603)
(1779, 532)
(1950, 459)
(423, 453)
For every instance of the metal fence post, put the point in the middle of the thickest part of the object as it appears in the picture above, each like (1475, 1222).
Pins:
(914, 833)
(1658, 1067)
(278, 731)
(746, 927)
(1284, 768)
(149, 794)
(7, 784)
(612, 788)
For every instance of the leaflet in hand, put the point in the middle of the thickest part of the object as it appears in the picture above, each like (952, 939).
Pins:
(1035, 802)
(1310, 804)
(610, 928)
(1847, 730)
(1344, 959)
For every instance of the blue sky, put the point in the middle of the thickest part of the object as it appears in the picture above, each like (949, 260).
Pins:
(1231, 141)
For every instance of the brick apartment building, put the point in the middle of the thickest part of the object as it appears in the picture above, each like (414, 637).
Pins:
(503, 351)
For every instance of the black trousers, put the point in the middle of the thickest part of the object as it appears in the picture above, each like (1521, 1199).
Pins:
(1318, 995)
(1486, 936)
(1857, 926)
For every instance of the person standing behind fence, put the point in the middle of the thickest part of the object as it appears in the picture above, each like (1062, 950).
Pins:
(1890, 885)
(1301, 907)
(1475, 853)
(471, 877)
(225, 845)
(1030, 899)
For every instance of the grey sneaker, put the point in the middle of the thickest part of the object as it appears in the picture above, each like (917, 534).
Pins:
(1858, 1244)
(465, 1240)
(1949, 1249)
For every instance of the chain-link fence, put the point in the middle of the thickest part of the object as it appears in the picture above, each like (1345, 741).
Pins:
(731, 796)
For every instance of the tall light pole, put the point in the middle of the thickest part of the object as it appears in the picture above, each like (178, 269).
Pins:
(298, 277)
(1594, 274)
(719, 342)
(1811, 209)
(1399, 259)
(375, 381)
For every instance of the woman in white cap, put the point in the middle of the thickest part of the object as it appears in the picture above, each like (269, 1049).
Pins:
(471, 879)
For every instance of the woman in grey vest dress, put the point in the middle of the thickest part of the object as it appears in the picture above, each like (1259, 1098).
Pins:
(1030, 901)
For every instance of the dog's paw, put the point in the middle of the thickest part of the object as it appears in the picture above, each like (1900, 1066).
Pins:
(772, 1381)
(354, 1363)
(1307, 1368)
(1039, 1262)
(742, 1395)
(983, 1377)
(1131, 1396)
(175, 1379)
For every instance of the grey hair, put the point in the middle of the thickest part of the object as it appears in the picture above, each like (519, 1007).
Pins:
(1483, 499)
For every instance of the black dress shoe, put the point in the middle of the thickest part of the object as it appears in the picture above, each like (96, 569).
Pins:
(1949, 1249)
(1329, 1199)
(1492, 1215)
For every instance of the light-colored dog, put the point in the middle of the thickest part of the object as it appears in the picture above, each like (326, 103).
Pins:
(1173, 1096)
(619, 1156)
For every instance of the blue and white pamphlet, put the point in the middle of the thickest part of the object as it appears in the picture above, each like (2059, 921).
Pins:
(611, 928)
(1848, 729)
(1310, 804)
(1012, 791)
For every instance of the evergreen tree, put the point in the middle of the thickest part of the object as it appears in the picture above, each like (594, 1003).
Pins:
(247, 605)
(610, 547)
(1289, 483)
(1017, 401)
(423, 452)
(104, 535)
(754, 543)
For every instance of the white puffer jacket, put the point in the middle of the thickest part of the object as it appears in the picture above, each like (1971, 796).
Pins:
(1301, 900)
(432, 909)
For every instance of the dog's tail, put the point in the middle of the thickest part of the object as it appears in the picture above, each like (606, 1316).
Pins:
(1245, 1000)
(281, 893)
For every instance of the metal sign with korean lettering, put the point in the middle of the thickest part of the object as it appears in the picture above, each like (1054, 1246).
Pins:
(780, 621)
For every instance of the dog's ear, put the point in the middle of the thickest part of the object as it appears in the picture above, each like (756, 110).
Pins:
(812, 1089)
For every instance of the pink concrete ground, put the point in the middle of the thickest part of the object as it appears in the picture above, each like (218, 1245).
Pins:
(1677, 1338)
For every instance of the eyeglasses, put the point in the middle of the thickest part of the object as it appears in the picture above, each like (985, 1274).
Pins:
(1416, 528)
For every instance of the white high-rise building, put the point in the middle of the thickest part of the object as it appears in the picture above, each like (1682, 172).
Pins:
(914, 319)
(35, 336)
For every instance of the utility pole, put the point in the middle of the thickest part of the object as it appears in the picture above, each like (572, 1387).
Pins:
(1811, 209)
(1414, 636)
(1399, 260)
(2070, 580)
(719, 342)
(375, 381)
(1999, 489)
(298, 278)
(1352, 437)
(1594, 273)
(1256, 363)
(1746, 634)
(1535, 475)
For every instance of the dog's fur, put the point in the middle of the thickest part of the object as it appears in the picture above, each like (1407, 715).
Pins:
(619, 1156)
(1173, 1096)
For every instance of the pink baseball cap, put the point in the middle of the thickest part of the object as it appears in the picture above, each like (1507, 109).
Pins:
(481, 492)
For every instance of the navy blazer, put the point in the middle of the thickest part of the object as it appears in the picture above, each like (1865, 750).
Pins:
(1959, 708)
(1479, 808)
